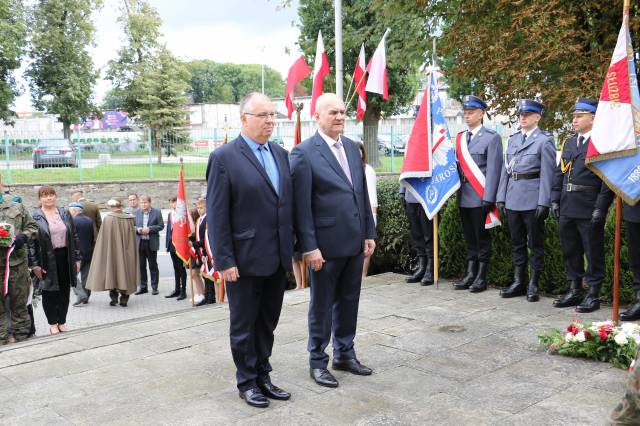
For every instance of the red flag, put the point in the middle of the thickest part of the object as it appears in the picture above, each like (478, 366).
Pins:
(320, 71)
(361, 83)
(377, 70)
(298, 72)
(418, 161)
(180, 223)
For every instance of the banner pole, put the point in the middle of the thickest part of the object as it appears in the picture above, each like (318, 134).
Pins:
(436, 264)
(616, 260)
(221, 290)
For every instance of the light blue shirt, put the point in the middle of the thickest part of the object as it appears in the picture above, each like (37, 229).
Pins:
(265, 157)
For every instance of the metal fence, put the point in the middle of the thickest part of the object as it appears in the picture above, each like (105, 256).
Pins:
(98, 155)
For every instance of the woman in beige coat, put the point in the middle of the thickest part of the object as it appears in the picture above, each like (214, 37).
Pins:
(115, 257)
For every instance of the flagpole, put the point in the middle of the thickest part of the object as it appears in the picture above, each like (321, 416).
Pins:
(193, 298)
(616, 259)
(436, 264)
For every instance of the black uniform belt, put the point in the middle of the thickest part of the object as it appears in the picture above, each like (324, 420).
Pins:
(572, 187)
(518, 176)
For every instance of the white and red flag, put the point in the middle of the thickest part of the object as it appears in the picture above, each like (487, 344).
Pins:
(298, 72)
(613, 152)
(181, 223)
(361, 82)
(377, 70)
(320, 71)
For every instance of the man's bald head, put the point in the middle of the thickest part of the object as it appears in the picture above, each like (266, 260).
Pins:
(329, 114)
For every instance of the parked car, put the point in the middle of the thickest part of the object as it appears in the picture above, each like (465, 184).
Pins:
(54, 153)
(384, 145)
(354, 137)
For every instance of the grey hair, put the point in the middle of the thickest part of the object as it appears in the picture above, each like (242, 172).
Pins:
(245, 101)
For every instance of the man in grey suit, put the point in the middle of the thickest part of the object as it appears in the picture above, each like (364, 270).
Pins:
(148, 224)
(524, 194)
(335, 230)
(484, 150)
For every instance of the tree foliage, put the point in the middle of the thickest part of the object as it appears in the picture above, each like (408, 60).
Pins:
(12, 42)
(162, 89)
(141, 27)
(505, 50)
(61, 74)
(365, 21)
(213, 82)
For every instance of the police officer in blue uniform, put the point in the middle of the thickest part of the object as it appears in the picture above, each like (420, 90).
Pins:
(631, 216)
(485, 148)
(524, 195)
(580, 201)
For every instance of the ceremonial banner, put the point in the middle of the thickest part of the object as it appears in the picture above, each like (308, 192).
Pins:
(613, 152)
(361, 82)
(298, 72)
(180, 223)
(432, 186)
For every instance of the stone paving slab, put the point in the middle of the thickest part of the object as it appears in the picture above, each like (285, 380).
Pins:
(439, 357)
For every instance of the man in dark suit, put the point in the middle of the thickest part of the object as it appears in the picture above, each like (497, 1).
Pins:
(335, 229)
(580, 201)
(148, 224)
(250, 227)
(84, 228)
(91, 210)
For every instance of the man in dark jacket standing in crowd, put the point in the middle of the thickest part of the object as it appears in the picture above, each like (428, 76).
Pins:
(149, 223)
(84, 229)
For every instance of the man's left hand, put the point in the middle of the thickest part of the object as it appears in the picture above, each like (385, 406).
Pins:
(597, 217)
(369, 247)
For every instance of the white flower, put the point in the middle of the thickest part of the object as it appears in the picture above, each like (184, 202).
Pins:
(568, 337)
(602, 323)
(630, 328)
(620, 338)
(580, 337)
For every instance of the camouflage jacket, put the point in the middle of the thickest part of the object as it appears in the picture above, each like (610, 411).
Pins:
(17, 215)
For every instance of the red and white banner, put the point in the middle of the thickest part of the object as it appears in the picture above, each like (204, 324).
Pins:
(475, 177)
(613, 133)
(360, 82)
(181, 223)
(377, 70)
(298, 72)
(418, 158)
(320, 71)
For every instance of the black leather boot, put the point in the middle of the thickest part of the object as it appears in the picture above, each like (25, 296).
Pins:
(517, 287)
(183, 294)
(427, 279)
(419, 272)
(532, 290)
(571, 298)
(176, 292)
(591, 302)
(472, 271)
(633, 313)
(480, 283)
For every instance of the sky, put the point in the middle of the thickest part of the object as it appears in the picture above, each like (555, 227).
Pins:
(240, 31)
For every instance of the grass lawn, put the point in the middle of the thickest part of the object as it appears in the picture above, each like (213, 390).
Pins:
(118, 172)
(386, 165)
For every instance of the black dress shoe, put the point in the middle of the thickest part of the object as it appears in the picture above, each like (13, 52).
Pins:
(323, 377)
(155, 292)
(113, 303)
(352, 366)
(175, 293)
(631, 314)
(272, 391)
(139, 292)
(589, 304)
(254, 397)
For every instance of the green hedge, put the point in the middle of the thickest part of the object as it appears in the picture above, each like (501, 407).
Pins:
(394, 251)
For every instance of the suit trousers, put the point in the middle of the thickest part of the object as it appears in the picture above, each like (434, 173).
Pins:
(579, 238)
(179, 271)
(333, 309)
(81, 290)
(150, 256)
(526, 230)
(254, 306)
(633, 245)
(476, 237)
(420, 229)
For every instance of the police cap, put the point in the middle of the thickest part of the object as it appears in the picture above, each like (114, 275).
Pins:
(530, 105)
(585, 105)
(473, 102)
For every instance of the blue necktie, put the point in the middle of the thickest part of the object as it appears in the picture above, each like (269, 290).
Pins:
(270, 167)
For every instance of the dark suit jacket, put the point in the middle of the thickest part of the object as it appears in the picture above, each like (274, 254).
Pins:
(631, 213)
(155, 225)
(579, 204)
(330, 213)
(249, 225)
(84, 229)
(92, 211)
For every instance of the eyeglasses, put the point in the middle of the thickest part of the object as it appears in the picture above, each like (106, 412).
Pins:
(263, 115)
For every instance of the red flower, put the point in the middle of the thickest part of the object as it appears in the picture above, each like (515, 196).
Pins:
(603, 334)
(573, 329)
(3, 232)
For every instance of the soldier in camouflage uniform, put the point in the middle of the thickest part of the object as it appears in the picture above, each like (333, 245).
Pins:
(24, 229)
(627, 412)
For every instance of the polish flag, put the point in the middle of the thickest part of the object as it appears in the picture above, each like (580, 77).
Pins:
(181, 223)
(613, 133)
(320, 71)
(361, 82)
(377, 70)
(298, 72)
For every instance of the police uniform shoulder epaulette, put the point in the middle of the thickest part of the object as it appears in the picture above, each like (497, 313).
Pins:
(516, 133)
(546, 133)
(490, 131)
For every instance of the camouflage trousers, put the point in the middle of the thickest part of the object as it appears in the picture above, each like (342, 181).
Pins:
(18, 296)
(627, 412)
